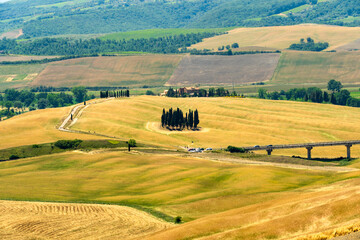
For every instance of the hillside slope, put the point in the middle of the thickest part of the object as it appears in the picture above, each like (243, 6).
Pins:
(46, 18)
(283, 36)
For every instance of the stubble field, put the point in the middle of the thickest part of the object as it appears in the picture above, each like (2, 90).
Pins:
(39, 220)
(152, 70)
(216, 199)
(281, 37)
(224, 70)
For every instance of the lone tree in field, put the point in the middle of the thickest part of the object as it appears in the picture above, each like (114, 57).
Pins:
(334, 85)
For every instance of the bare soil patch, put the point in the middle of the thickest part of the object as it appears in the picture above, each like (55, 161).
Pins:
(28, 220)
(224, 70)
(12, 34)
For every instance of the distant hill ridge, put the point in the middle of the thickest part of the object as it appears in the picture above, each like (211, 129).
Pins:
(57, 17)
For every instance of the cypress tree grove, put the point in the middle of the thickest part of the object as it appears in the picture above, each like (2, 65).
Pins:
(175, 119)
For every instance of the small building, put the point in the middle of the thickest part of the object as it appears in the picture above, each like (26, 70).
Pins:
(189, 91)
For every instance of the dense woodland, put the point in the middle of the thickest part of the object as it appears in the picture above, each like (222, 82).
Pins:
(337, 96)
(99, 16)
(309, 45)
(175, 119)
(62, 46)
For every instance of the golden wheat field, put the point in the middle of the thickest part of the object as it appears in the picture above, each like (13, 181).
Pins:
(109, 71)
(281, 37)
(228, 121)
(74, 221)
(217, 200)
(36, 127)
(319, 213)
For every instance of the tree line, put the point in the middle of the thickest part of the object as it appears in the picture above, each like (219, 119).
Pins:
(76, 48)
(337, 96)
(212, 92)
(175, 119)
(229, 52)
(309, 45)
(115, 94)
(15, 102)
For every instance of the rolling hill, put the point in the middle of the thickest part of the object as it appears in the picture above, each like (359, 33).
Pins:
(215, 198)
(281, 37)
(47, 18)
(227, 121)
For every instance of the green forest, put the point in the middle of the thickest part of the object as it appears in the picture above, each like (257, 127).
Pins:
(64, 46)
(58, 17)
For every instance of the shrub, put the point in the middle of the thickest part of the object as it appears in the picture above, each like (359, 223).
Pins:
(68, 144)
(233, 149)
(35, 146)
(149, 92)
(13, 157)
(177, 220)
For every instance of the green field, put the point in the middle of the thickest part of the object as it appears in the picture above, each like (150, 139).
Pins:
(297, 9)
(307, 68)
(350, 19)
(355, 94)
(156, 33)
(17, 75)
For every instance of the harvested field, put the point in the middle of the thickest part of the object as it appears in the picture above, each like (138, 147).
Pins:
(175, 184)
(14, 58)
(281, 37)
(221, 70)
(353, 46)
(229, 121)
(222, 200)
(39, 220)
(152, 70)
(292, 216)
(36, 127)
(314, 68)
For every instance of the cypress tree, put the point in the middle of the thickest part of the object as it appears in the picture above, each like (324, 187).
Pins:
(187, 121)
(163, 118)
(333, 98)
(196, 119)
(191, 119)
(170, 117)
